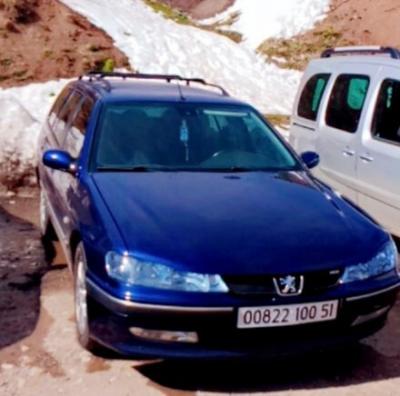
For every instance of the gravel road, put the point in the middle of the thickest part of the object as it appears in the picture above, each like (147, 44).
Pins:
(39, 354)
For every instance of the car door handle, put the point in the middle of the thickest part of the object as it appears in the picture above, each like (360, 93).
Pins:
(348, 153)
(366, 158)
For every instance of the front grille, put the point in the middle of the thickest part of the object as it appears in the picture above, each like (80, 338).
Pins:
(314, 283)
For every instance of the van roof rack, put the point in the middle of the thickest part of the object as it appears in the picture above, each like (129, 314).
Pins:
(394, 53)
(102, 76)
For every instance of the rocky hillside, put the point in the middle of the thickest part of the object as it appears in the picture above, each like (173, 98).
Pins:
(349, 22)
(200, 9)
(42, 40)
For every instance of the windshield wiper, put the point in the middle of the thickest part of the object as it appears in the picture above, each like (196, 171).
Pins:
(232, 169)
(138, 168)
(239, 169)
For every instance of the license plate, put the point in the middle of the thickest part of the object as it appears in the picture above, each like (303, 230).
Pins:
(287, 315)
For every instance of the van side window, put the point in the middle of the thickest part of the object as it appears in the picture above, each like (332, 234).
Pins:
(69, 108)
(347, 101)
(311, 96)
(386, 122)
(77, 128)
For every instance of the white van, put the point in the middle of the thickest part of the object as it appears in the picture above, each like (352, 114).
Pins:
(348, 110)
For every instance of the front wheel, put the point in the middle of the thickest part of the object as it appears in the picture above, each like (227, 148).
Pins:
(81, 299)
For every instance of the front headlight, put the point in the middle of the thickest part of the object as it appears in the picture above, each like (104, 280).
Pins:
(385, 261)
(132, 271)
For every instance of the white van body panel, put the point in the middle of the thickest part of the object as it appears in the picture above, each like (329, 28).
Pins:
(379, 168)
(360, 166)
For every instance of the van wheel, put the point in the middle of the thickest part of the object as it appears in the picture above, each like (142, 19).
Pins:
(81, 300)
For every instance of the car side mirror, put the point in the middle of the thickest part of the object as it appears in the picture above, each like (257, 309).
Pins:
(60, 160)
(310, 158)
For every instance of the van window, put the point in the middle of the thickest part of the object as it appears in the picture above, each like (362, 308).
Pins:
(311, 96)
(386, 122)
(347, 101)
(77, 129)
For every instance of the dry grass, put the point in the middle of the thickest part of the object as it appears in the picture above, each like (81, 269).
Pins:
(180, 17)
(295, 53)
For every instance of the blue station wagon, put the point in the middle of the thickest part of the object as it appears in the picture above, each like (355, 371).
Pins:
(192, 230)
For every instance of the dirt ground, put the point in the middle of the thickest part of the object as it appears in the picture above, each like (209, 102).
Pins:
(42, 40)
(39, 353)
(366, 22)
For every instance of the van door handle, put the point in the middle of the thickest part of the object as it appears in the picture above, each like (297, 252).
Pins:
(348, 153)
(366, 158)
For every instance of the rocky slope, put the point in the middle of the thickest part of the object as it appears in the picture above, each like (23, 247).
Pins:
(349, 22)
(42, 40)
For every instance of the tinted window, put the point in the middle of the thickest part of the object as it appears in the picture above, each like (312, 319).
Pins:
(77, 128)
(58, 104)
(187, 137)
(311, 96)
(65, 114)
(347, 101)
(386, 123)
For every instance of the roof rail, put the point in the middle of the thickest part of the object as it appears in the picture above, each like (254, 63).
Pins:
(102, 76)
(394, 53)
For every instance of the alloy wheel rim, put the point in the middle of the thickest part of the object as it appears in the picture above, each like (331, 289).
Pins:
(43, 213)
(81, 298)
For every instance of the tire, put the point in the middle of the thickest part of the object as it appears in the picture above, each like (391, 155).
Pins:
(82, 318)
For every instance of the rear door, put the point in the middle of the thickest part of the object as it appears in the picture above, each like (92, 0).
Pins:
(379, 154)
(303, 131)
(51, 139)
(341, 128)
(59, 178)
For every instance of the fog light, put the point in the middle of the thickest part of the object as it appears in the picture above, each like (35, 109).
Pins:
(165, 336)
(371, 316)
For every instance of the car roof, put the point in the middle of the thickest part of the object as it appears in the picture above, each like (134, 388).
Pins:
(356, 56)
(356, 60)
(123, 90)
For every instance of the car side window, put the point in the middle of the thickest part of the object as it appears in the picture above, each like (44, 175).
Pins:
(77, 128)
(57, 106)
(311, 96)
(347, 101)
(69, 108)
(386, 121)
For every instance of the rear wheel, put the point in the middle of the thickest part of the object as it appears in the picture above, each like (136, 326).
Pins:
(44, 215)
(81, 299)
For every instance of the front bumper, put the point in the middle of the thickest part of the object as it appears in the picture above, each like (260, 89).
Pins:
(111, 320)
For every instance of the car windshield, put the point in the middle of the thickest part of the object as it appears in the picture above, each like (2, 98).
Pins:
(191, 137)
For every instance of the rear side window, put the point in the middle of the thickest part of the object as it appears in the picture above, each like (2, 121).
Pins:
(58, 104)
(311, 96)
(386, 122)
(77, 129)
(347, 101)
(65, 114)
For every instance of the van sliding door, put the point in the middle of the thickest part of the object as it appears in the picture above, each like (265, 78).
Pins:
(340, 131)
(379, 155)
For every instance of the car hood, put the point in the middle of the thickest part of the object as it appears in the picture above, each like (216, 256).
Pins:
(244, 223)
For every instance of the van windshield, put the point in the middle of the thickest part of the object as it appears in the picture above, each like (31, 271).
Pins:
(191, 137)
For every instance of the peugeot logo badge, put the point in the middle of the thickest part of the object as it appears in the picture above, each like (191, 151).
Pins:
(289, 285)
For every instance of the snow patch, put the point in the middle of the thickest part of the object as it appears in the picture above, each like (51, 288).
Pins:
(261, 19)
(153, 45)
(23, 111)
(156, 45)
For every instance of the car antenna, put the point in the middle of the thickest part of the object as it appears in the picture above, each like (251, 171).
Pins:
(181, 92)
